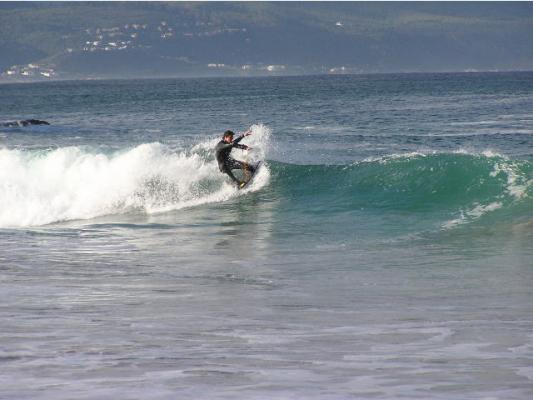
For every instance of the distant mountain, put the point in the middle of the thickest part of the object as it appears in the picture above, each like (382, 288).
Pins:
(41, 40)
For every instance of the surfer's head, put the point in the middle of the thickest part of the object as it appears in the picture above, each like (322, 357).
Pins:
(228, 136)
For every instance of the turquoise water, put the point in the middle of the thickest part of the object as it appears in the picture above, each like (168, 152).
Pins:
(384, 250)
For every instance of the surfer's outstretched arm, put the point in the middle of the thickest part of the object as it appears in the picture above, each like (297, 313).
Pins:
(238, 139)
(241, 146)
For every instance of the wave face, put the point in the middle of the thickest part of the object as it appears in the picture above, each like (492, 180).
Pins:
(458, 186)
(46, 186)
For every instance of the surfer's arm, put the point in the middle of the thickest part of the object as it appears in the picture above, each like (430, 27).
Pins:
(240, 146)
(237, 140)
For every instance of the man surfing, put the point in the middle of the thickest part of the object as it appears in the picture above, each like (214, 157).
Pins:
(225, 162)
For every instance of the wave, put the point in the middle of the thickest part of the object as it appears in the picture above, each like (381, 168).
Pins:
(70, 183)
(457, 187)
(40, 187)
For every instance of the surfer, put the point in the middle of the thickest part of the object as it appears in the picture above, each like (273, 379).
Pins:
(225, 162)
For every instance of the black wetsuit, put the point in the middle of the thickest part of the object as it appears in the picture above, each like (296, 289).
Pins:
(226, 163)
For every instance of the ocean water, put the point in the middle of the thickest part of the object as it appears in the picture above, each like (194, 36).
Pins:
(384, 251)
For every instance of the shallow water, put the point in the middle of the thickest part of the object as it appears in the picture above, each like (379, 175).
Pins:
(383, 252)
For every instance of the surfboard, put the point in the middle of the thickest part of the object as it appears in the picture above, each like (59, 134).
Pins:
(251, 177)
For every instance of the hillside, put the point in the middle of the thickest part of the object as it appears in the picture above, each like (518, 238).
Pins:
(99, 40)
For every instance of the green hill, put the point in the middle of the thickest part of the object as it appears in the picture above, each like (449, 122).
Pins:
(194, 39)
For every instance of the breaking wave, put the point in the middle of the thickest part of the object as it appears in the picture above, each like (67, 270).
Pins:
(69, 183)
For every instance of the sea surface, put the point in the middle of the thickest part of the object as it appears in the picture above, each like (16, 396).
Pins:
(383, 251)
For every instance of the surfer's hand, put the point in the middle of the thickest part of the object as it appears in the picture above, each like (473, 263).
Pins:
(247, 133)
(248, 148)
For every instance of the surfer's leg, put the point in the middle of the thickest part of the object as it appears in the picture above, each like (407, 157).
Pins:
(236, 164)
(228, 172)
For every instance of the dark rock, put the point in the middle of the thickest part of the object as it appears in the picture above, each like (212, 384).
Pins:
(25, 122)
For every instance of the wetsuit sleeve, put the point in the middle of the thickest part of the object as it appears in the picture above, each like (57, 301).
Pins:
(238, 140)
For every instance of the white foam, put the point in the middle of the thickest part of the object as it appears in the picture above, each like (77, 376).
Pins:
(383, 159)
(488, 153)
(387, 158)
(516, 185)
(474, 213)
(38, 188)
(259, 140)
(475, 123)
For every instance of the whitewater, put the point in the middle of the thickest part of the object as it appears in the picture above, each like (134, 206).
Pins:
(383, 251)
(43, 186)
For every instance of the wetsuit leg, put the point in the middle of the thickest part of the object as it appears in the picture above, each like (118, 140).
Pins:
(236, 164)
(228, 172)
(231, 164)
